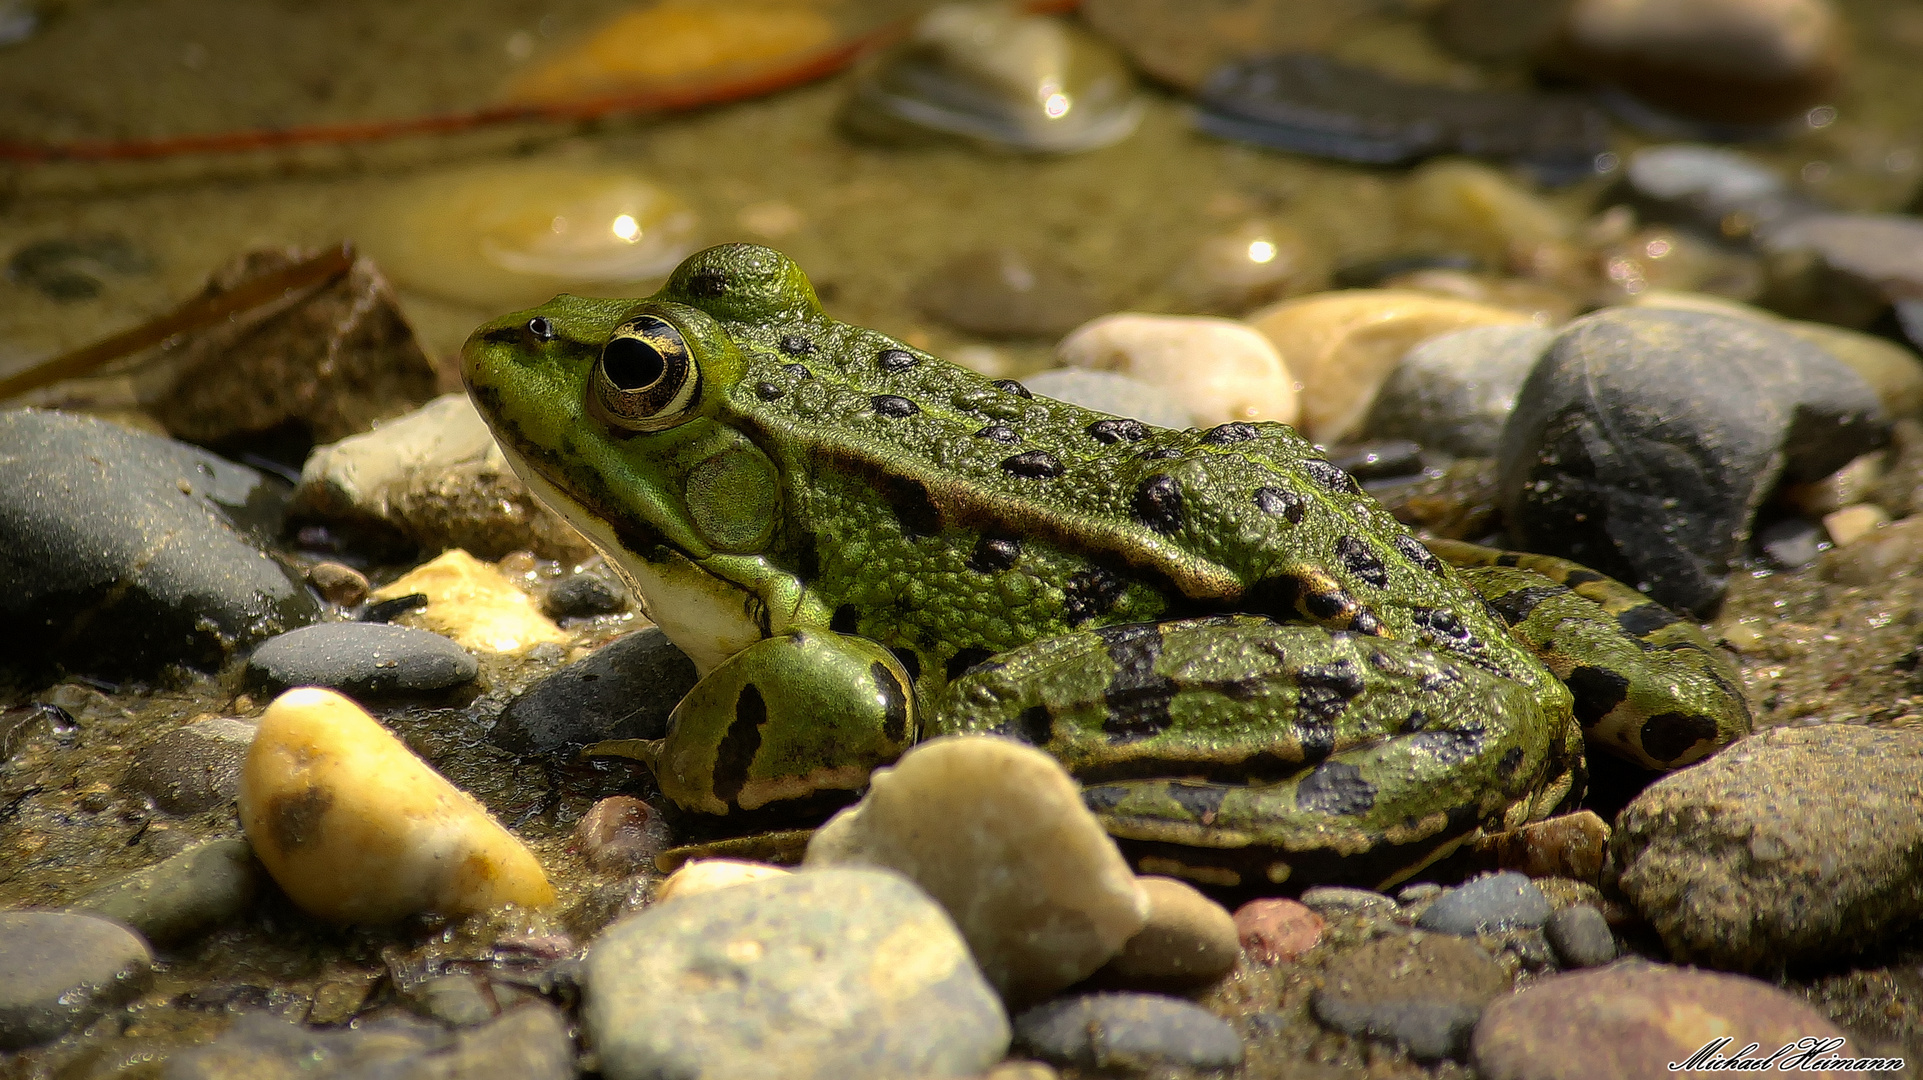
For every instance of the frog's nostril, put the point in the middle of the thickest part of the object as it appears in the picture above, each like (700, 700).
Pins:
(632, 364)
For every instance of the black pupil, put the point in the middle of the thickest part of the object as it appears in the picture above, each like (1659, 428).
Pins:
(632, 364)
(541, 328)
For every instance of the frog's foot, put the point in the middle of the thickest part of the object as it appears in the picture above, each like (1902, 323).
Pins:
(788, 719)
(1277, 752)
(1649, 686)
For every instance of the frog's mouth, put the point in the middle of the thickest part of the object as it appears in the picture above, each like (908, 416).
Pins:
(708, 617)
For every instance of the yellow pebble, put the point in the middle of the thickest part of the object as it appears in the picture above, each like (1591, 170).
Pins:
(473, 603)
(707, 875)
(356, 829)
(1852, 523)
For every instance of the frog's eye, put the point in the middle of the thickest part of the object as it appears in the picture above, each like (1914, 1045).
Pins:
(646, 380)
(541, 328)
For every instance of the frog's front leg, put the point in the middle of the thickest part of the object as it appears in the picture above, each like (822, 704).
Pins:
(1236, 750)
(788, 719)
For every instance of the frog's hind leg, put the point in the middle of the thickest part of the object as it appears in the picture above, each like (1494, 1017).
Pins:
(1649, 687)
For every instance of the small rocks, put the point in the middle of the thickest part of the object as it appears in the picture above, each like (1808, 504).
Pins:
(1488, 904)
(183, 896)
(624, 690)
(838, 972)
(1273, 931)
(1331, 901)
(58, 970)
(1758, 857)
(1632, 1020)
(474, 603)
(528, 1042)
(1422, 991)
(706, 875)
(338, 584)
(1569, 845)
(1600, 465)
(1343, 345)
(1007, 293)
(1116, 395)
(1852, 266)
(193, 767)
(1216, 370)
(1454, 391)
(1581, 937)
(1708, 187)
(620, 834)
(1134, 1032)
(367, 660)
(355, 828)
(125, 551)
(585, 594)
(1188, 939)
(997, 833)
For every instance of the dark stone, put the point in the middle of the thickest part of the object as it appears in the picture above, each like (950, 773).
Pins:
(1128, 1031)
(183, 896)
(1488, 904)
(193, 767)
(1454, 391)
(121, 551)
(361, 659)
(1581, 937)
(58, 970)
(625, 690)
(1644, 441)
(584, 594)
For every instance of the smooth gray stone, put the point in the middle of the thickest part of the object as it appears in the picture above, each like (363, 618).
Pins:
(193, 767)
(528, 1042)
(121, 551)
(624, 690)
(59, 969)
(1128, 1031)
(361, 659)
(1454, 392)
(184, 895)
(1792, 542)
(1488, 904)
(1581, 937)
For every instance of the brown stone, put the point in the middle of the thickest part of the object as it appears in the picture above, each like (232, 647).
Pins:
(620, 834)
(1572, 846)
(1188, 939)
(1272, 931)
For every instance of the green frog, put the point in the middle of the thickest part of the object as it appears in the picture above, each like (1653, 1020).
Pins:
(1257, 674)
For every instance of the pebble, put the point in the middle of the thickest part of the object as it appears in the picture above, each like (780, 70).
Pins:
(1568, 845)
(1454, 391)
(1215, 370)
(1598, 464)
(997, 833)
(1747, 62)
(835, 972)
(1632, 1020)
(1722, 191)
(1581, 937)
(1277, 930)
(193, 767)
(1488, 904)
(1007, 293)
(367, 660)
(527, 1042)
(1856, 265)
(183, 896)
(707, 875)
(1116, 395)
(1128, 1032)
(1854, 523)
(1188, 939)
(623, 690)
(356, 829)
(1757, 857)
(620, 834)
(473, 603)
(583, 595)
(1257, 262)
(340, 585)
(436, 478)
(1894, 551)
(1331, 901)
(1422, 991)
(1470, 207)
(1791, 543)
(59, 970)
(1343, 345)
(127, 551)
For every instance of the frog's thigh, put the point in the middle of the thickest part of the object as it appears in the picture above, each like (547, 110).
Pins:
(789, 717)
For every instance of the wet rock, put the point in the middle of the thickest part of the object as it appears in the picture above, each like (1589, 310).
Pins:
(1791, 543)
(1215, 370)
(454, 1000)
(997, 833)
(1310, 104)
(1453, 392)
(310, 367)
(1343, 345)
(1732, 61)
(624, 690)
(1331, 901)
(1488, 904)
(1188, 939)
(1272, 931)
(1007, 293)
(121, 552)
(1581, 937)
(183, 896)
(706, 875)
(1133, 1032)
(832, 973)
(193, 767)
(1116, 395)
(1725, 192)
(1854, 523)
(1544, 304)
(1845, 268)
(528, 1042)
(1600, 464)
(1570, 845)
(356, 829)
(1757, 857)
(338, 584)
(1631, 1020)
(472, 602)
(434, 478)
(584, 594)
(1895, 551)
(1467, 206)
(367, 660)
(1424, 992)
(58, 970)
(1667, 258)
(620, 834)
(1255, 263)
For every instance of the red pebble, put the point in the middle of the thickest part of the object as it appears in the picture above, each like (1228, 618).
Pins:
(1276, 930)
